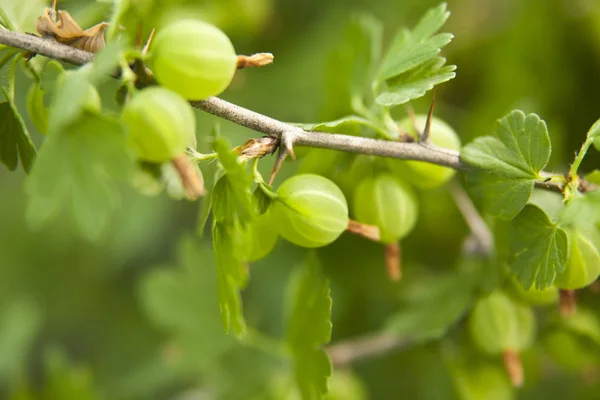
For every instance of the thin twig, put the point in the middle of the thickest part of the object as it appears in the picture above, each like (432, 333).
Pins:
(346, 352)
(478, 227)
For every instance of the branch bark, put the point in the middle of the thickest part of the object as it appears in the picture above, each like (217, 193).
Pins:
(346, 352)
(288, 134)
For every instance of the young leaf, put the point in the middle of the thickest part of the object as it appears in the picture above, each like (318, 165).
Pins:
(309, 328)
(415, 83)
(410, 67)
(508, 163)
(594, 134)
(539, 248)
(76, 170)
(231, 275)
(15, 142)
(231, 197)
(350, 66)
(350, 125)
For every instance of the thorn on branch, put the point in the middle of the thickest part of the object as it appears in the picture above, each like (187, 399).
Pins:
(286, 147)
(424, 138)
(255, 60)
(148, 42)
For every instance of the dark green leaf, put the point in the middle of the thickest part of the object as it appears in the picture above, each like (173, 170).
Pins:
(15, 142)
(513, 159)
(539, 248)
(309, 328)
(76, 170)
(430, 307)
(231, 275)
(351, 65)
(415, 83)
(413, 49)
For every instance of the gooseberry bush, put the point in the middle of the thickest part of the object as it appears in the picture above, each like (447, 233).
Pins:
(127, 117)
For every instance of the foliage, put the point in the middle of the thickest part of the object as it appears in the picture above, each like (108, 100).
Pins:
(119, 284)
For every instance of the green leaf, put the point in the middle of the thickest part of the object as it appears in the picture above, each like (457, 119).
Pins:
(581, 211)
(77, 170)
(430, 307)
(309, 328)
(415, 83)
(231, 197)
(15, 142)
(184, 300)
(594, 134)
(508, 163)
(593, 177)
(65, 381)
(539, 248)
(231, 275)
(413, 49)
(350, 125)
(351, 65)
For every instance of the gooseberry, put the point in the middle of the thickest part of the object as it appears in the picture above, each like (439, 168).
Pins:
(310, 211)
(260, 237)
(421, 174)
(533, 295)
(498, 324)
(160, 123)
(388, 203)
(583, 266)
(193, 58)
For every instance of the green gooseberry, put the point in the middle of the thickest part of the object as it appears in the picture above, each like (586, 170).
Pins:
(498, 323)
(421, 174)
(388, 203)
(193, 58)
(161, 124)
(310, 211)
(583, 265)
(549, 295)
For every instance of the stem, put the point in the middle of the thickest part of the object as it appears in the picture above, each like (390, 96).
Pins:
(200, 156)
(346, 352)
(267, 344)
(579, 158)
(260, 181)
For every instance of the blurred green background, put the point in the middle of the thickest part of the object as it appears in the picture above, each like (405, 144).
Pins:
(137, 318)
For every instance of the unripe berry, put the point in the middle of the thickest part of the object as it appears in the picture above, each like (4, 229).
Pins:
(500, 324)
(311, 211)
(161, 124)
(583, 266)
(421, 174)
(260, 237)
(532, 295)
(193, 58)
(386, 202)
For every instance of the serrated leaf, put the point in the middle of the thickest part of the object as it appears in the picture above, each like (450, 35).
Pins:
(513, 159)
(15, 142)
(539, 247)
(430, 307)
(184, 301)
(309, 328)
(351, 65)
(412, 49)
(231, 197)
(415, 83)
(77, 169)
(231, 275)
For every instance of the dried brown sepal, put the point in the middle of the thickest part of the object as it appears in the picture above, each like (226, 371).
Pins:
(513, 367)
(567, 303)
(257, 148)
(190, 178)
(255, 60)
(393, 261)
(370, 232)
(68, 32)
